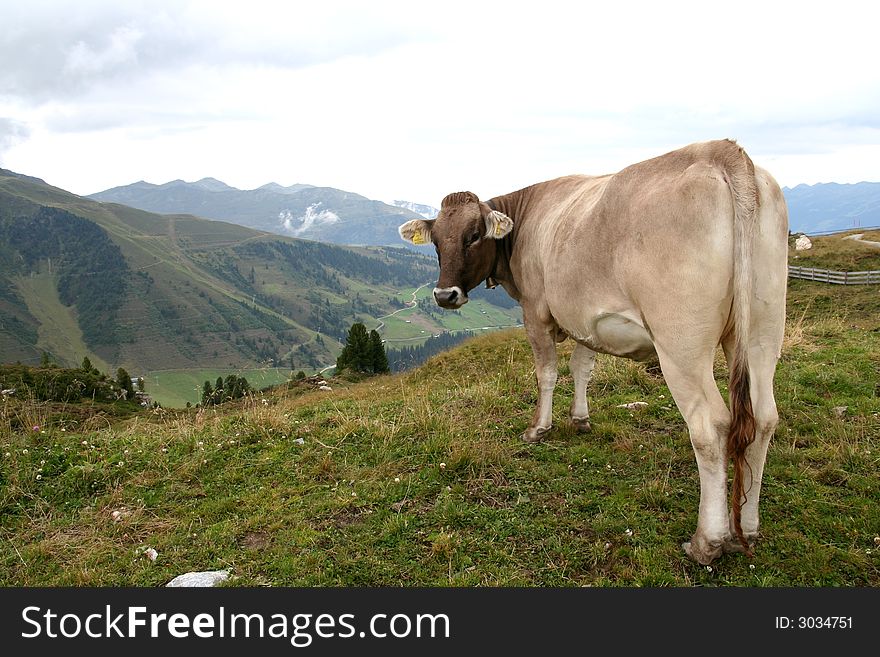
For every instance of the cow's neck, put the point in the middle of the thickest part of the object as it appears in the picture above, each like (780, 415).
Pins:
(513, 205)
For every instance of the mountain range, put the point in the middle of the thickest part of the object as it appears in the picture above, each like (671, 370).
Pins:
(336, 216)
(832, 206)
(316, 213)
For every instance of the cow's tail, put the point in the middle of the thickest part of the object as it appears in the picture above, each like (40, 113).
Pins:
(740, 176)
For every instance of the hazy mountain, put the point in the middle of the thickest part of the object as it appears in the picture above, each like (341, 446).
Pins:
(832, 206)
(316, 213)
(149, 292)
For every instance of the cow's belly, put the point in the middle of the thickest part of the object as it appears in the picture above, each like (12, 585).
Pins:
(616, 334)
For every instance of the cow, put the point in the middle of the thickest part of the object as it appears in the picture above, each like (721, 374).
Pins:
(665, 259)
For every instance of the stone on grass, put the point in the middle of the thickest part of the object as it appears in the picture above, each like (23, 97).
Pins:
(200, 579)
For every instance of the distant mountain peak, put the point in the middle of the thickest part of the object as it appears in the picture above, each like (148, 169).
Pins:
(281, 189)
(213, 185)
(427, 211)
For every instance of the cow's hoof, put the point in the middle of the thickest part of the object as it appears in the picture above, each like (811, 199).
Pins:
(701, 551)
(581, 424)
(732, 544)
(534, 434)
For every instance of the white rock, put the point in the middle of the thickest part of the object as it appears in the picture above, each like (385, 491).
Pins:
(840, 411)
(326, 388)
(634, 406)
(200, 579)
(802, 243)
(151, 554)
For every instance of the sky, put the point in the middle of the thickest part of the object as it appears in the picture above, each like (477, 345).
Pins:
(412, 101)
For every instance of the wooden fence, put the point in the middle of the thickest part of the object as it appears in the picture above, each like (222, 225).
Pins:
(837, 277)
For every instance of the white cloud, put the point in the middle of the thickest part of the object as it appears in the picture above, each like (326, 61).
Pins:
(394, 100)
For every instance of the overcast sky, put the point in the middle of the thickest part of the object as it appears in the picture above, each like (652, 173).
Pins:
(410, 100)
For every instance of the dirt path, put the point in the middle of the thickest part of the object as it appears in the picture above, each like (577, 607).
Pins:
(858, 238)
(410, 304)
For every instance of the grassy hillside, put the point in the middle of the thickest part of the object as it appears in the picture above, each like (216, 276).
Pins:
(151, 292)
(421, 479)
(857, 305)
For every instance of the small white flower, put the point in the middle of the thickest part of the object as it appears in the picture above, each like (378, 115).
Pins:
(397, 480)
(85, 442)
(8, 454)
(751, 566)
(121, 463)
(709, 568)
(353, 494)
(24, 451)
(628, 532)
(201, 443)
(442, 465)
(39, 476)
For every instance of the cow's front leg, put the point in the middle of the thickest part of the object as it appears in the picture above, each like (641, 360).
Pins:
(541, 336)
(581, 365)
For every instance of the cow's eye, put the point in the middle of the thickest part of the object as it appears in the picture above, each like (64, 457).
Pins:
(473, 239)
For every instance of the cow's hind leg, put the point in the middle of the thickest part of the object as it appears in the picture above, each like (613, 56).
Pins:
(690, 380)
(581, 364)
(542, 338)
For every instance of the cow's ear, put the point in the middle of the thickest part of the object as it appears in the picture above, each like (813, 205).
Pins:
(417, 231)
(498, 224)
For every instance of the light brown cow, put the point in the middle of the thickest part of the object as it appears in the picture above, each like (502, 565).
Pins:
(672, 256)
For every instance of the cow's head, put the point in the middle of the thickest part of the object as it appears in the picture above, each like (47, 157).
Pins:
(464, 235)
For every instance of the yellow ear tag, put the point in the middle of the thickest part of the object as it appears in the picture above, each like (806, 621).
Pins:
(497, 228)
(418, 238)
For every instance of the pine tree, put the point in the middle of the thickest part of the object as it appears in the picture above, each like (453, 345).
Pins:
(142, 386)
(207, 394)
(378, 357)
(123, 380)
(86, 365)
(356, 355)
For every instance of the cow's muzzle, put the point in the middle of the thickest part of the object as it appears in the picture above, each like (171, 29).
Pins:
(450, 297)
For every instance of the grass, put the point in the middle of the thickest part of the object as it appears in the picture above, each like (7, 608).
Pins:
(412, 326)
(835, 252)
(59, 332)
(174, 388)
(420, 479)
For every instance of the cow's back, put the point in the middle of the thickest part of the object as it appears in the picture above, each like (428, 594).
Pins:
(655, 239)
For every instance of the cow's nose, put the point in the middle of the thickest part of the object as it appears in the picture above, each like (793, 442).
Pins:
(445, 296)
